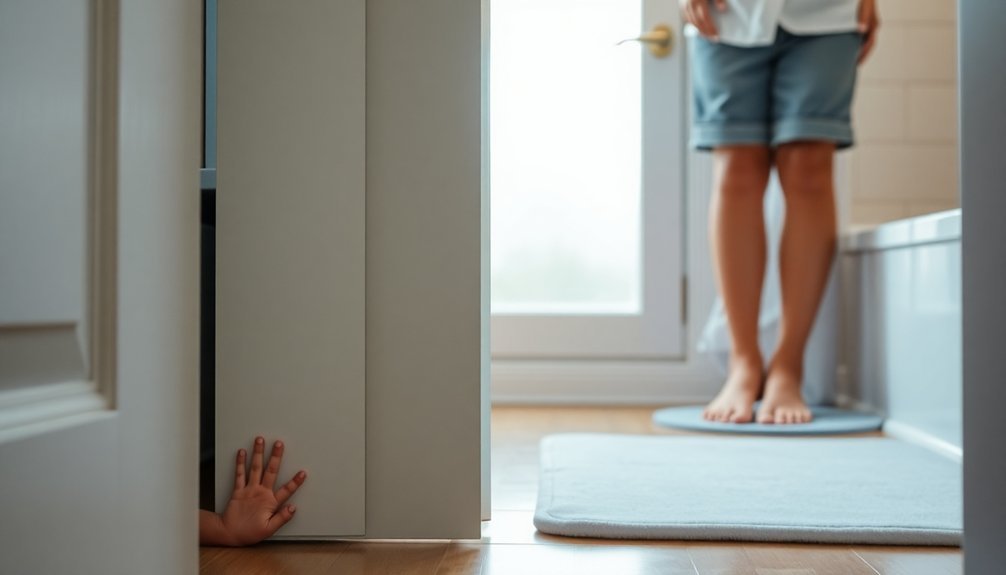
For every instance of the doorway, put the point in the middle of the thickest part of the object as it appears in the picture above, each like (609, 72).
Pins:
(587, 179)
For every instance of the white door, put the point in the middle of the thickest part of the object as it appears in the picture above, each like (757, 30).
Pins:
(587, 177)
(99, 155)
(290, 249)
(349, 259)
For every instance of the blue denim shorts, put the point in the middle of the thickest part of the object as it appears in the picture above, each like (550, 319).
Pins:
(799, 88)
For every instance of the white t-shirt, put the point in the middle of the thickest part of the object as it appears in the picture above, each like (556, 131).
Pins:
(754, 22)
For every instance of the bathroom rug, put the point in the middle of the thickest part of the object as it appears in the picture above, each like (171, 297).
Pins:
(866, 490)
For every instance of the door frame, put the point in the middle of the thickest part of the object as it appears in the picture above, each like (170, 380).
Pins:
(691, 379)
(982, 123)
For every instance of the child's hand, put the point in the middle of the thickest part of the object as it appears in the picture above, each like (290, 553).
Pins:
(697, 13)
(254, 511)
(868, 24)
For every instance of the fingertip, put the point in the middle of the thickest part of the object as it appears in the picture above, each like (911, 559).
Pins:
(279, 444)
(259, 440)
(292, 509)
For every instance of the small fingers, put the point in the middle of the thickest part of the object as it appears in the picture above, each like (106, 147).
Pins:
(868, 42)
(240, 473)
(291, 487)
(272, 468)
(704, 21)
(865, 17)
(868, 24)
(255, 476)
(281, 518)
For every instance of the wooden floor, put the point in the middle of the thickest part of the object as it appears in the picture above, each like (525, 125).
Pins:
(510, 544)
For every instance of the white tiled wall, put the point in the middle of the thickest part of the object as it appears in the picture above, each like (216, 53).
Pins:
(905, 115)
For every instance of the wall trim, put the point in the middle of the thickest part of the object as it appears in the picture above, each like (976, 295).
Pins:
(911, 434)
(602, 382)
(906, 432)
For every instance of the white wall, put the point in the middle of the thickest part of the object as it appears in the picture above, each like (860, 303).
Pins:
(905, 115)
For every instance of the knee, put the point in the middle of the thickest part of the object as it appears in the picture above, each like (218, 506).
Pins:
(806, 167)
(742, 170)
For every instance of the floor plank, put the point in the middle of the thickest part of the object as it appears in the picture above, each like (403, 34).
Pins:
(270, 559)
(791, 559)
(913, 560)
(720, 559)
(469, 559)
(383, 558)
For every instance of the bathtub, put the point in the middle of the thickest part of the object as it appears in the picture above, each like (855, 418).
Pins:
(901, 327)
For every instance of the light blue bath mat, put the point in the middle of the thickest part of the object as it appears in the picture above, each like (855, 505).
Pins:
(812, 490)
(827, 421)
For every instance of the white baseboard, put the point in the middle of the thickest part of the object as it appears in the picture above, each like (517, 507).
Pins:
(907, 432)
(602, 382)
(914, 435)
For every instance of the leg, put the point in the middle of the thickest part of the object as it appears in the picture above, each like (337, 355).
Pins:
(737, 234)
(805, 256)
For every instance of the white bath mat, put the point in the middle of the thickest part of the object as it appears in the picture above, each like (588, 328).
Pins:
(814, 490)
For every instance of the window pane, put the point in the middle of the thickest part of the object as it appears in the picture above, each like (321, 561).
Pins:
(565, 156)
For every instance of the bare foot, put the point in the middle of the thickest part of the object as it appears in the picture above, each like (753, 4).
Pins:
(783, 402)
(734, 403)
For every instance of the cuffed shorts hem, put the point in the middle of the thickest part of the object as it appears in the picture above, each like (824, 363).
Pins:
(816, 129)
(707, 136)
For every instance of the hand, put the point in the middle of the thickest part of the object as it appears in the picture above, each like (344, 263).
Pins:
(698, 14)
(254, 511)
(869, 21)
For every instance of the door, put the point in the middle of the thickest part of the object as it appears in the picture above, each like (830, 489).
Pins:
(349, 255)
(99, 151)
(290, 249)
(587, 176)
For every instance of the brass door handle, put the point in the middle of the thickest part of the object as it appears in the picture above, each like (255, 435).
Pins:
(660, 40)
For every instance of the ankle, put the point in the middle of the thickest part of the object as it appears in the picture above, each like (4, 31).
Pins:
(793, 369)
(787, 357)
(746, 361)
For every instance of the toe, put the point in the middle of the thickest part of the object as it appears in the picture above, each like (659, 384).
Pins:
(764, 416)
(741, 416)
